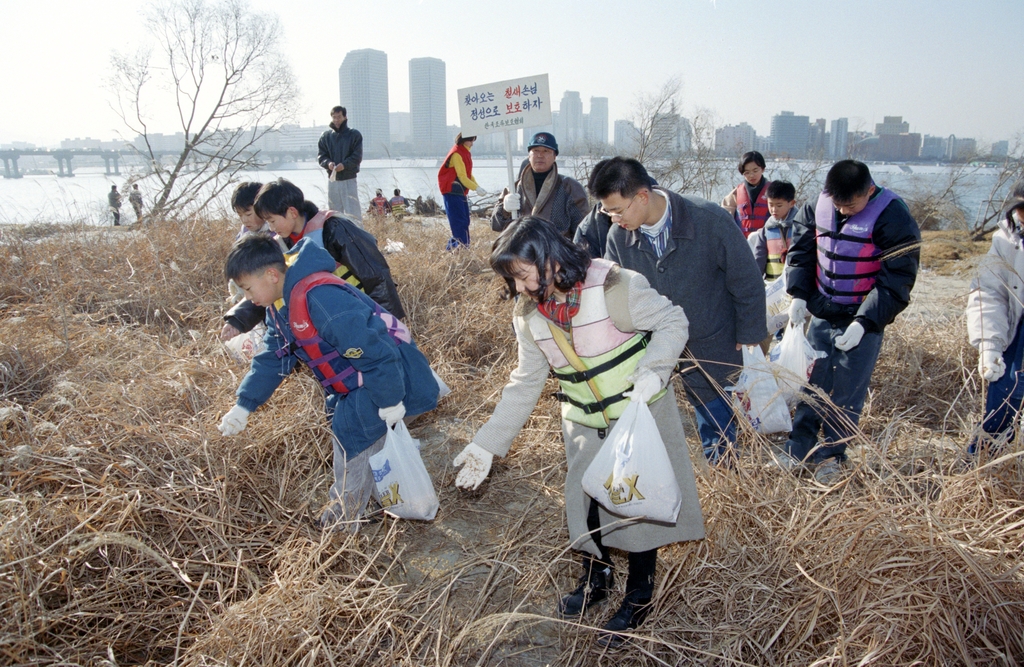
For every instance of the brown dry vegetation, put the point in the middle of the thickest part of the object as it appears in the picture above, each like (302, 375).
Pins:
(132, 533)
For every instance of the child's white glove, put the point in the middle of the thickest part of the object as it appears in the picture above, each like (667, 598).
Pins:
(645, 386)
(797, 311)
(851, 337)
(392, 415)
(511, 203)
(234, 421)
(991, 365)
(476, 463)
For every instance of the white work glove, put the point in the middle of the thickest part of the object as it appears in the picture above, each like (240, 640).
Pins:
(234, 421)
(392, 415)
(476, 463)
(851, 337)
(511, 203)
(798, 311)
(991, 365)
(645, 386)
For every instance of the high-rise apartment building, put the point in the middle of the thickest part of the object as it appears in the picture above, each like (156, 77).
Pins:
(428, 106)
(892, 125)
(735, 140)
(597, 125)
(569, 123)
(839, 139)
(790, 134)
(363, 80)
(627, 138)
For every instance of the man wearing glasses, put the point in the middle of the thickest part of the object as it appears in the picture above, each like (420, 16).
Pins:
(691, 251)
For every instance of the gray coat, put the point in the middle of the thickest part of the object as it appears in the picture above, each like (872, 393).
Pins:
(707, 269)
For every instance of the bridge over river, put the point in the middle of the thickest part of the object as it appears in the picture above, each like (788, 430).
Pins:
(112, 158)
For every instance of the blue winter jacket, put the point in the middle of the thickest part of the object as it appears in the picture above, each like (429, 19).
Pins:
(345, 320)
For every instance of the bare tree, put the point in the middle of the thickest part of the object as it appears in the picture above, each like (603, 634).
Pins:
(228, 82)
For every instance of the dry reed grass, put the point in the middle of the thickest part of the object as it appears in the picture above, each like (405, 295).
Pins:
(132, 533)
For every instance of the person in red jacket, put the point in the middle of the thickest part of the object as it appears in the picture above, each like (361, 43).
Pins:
(748, 203)
(455, 178)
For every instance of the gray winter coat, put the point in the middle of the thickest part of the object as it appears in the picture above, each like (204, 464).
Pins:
(707, 269)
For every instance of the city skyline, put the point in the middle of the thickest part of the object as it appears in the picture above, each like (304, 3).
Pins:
(943, 65)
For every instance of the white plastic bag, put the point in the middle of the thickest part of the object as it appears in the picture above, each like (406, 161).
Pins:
(794, 358)
(777, 304)
(759, 396)
(245, 346)
(403, 484)
(631, 474)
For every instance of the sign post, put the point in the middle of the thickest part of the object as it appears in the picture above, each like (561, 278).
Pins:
(505, 106)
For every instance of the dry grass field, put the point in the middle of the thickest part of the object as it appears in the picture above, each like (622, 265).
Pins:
(132, 533)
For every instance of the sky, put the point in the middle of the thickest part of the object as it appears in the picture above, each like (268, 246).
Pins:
(945, 66)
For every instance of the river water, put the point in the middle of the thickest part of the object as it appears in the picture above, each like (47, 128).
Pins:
(48, 198)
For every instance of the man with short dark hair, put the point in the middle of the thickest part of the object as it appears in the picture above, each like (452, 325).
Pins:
(542, 192)
(691, 251)
(852, 264)
(114, 203)
(340, 151)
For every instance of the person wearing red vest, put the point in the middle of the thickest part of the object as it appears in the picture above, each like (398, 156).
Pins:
(455, 179)
(379, 205)
(748, 203)
(852, 264)
(371, 371)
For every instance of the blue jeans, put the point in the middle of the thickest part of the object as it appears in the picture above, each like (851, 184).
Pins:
(1005, 396)
(844, 378)
(457, 208)
(716, 425)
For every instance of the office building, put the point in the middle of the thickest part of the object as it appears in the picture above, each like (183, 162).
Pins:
(597, 121)
(790, 134)
(428, 106)
(735, 140)
(892, 125)
(363, 81)
(627, 138)
(839, 139)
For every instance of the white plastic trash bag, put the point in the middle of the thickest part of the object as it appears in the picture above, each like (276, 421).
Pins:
(403, 484)
(631, 474)
(758, 394)
(794, 360)
(245, 346)
(777, 304)
(443, 389)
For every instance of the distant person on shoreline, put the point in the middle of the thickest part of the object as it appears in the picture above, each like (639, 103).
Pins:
(455, 179)
(135, 199)
(995, 314)
(114, 203)
(398, 205)
(340, 152)
(542, 192)
(748, 203)
(379, 205)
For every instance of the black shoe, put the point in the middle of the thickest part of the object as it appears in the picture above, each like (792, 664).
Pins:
(593, 588)
(631, 614)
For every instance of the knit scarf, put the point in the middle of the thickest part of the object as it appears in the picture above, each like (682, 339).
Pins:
(562, 313)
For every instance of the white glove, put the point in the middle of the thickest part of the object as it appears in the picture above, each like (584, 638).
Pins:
(991, 365)
(234, 421)
(645, 386)
(851, 337)
(797, 311)
(476, 463)
(392, 415)
(511, 203)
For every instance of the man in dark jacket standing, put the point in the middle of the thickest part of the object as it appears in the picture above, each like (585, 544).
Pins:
(852, 264)
(691, 251)
(340, 151)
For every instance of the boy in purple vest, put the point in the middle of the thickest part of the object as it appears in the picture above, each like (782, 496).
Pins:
(372, 373)
(851, 266)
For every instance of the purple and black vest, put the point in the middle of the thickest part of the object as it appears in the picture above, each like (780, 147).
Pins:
(848, 260)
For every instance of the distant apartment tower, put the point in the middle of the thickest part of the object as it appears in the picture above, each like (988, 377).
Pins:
(1000, 148)
(790, 134)
(735, 140)
(817, 145)
(363, 80)
(933, 148)
(960, 149)
(401, 129)
(626, 138)
(597, 122)
(428, 105)
(569, 122)
(892, 125)
(839, 138)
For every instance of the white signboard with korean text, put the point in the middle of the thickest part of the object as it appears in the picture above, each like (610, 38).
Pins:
(505, 105)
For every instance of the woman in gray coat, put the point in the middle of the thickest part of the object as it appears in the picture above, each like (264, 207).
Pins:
(603, 310)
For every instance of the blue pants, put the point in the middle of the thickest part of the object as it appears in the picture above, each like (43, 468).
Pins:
(716, 425)
(844, 378)
(1005, 396)
(457, 208)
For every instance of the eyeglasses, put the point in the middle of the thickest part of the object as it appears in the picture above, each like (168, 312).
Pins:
(620, 213)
